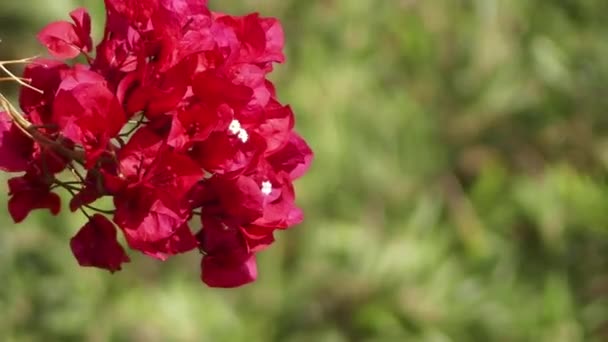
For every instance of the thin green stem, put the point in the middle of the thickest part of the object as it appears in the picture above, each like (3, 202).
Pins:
(136, 124)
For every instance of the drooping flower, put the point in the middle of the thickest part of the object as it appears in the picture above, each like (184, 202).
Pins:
(96, 245)
(15, 147)
(31, 191)
(227, 261)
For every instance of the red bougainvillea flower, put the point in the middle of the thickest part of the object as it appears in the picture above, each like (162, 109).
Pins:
(15, 147)
(151, 205)
(66, 40)
(96, 245)
(173, 118)
(31, 191)
(86, 111)
(228, 262)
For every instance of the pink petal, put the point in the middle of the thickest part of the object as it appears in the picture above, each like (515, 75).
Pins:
(60, 39)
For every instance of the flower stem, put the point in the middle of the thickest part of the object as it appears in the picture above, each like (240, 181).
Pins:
(30, 130)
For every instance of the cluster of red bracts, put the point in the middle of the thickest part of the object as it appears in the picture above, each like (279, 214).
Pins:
(175, 120)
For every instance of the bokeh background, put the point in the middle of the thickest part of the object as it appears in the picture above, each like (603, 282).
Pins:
(459, 191)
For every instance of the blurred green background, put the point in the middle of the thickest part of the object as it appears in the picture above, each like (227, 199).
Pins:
(459, 191)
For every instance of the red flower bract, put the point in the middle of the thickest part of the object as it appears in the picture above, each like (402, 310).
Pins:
(96, 245)
(175, 119)
(87, 112)
(65, 40)
(15, 147)
(31, 192)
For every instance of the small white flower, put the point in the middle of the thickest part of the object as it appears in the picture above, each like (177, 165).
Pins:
(235, 127)
(266, 188)
(243, 135)
(207, 174)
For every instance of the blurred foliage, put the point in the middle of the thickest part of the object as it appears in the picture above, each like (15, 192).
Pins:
(459, 191)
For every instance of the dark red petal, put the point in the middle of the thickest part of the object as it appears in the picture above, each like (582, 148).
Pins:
(87, 195)
(226, 155)
(241, 198)
(228, 271)
(174, 175)
(96, 245)
(197, 123)
(15, 147)
(22, 203)
(125, 88)
(46, 74)
(214, 89)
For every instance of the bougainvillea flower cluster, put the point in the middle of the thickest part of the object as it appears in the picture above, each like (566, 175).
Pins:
(172, 117)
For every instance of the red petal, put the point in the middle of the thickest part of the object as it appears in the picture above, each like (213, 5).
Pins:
(241, 198)
(82, 19)
(144, 221)
(257, 238)
(217, 90)
(180, 242)
(61, 40)
(294, 158)
(225, 155)
(15, 148)
(87, 195)
(276, 128)
(46, 74)
(96, 245)
(22, 203)
(138, 11)
(228, 271)
(87, 112)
